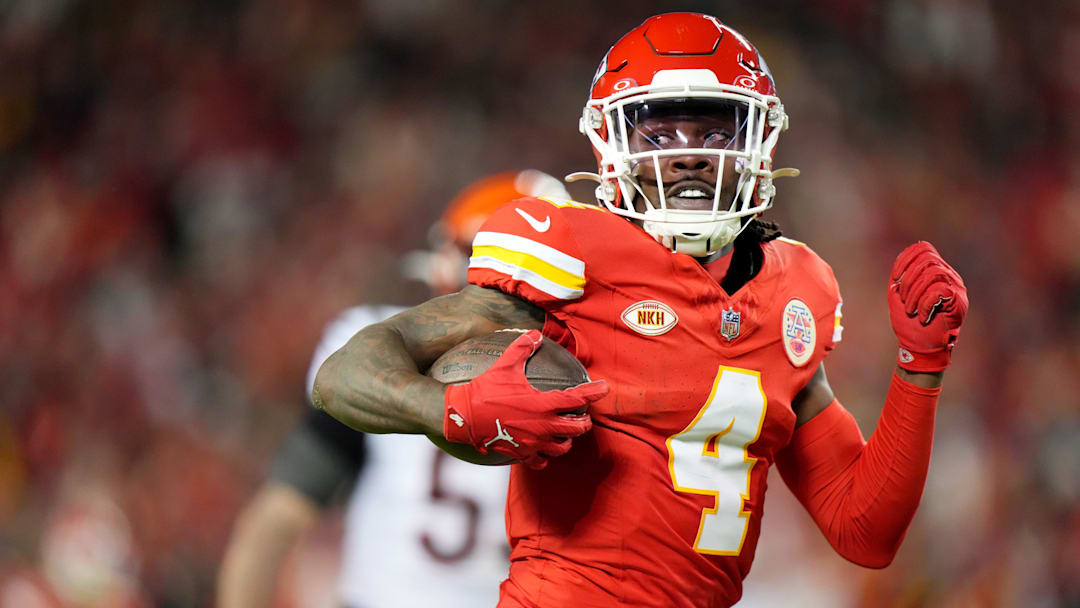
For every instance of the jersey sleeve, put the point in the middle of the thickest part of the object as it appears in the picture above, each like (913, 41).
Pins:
(838, 328)
(832, 311)
(836, 304)
(819, 281)
(527, 248)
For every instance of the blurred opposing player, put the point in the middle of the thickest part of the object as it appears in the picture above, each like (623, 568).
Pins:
(709, 330)
(415, 513)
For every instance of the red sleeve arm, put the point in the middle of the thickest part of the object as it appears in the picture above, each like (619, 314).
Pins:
(863, 495)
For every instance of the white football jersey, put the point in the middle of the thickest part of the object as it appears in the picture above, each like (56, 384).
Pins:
(421, 527)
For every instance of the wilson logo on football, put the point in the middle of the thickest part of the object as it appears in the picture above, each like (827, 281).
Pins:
(649, 317)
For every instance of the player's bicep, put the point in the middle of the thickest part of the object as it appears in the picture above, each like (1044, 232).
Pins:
(813, 398)
(434, 327)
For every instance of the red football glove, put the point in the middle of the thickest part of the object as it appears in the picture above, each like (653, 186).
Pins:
(500, 410)
(927, 304)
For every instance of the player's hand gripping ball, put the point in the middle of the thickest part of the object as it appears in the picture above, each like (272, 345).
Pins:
(927, 305)
(515, 393)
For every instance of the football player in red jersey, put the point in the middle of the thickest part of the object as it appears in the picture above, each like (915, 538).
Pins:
(443, 517)
(708, 331)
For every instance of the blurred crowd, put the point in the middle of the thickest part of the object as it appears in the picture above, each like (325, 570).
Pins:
(190, 190)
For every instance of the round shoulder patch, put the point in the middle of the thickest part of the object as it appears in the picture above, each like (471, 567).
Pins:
(798, 332)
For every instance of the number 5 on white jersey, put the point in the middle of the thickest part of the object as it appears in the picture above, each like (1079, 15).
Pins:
(709, 457)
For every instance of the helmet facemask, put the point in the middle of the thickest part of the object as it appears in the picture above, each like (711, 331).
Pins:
(722, 136)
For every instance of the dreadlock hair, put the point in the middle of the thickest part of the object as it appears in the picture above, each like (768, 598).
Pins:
(747, 257)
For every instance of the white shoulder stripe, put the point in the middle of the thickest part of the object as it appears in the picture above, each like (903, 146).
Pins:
(526, 276)
(540, 251)
(838, 328)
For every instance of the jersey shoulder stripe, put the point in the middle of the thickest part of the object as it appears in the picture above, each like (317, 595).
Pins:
(530, 278)
(533, 249)
(541, 266)
(563, 202)
(838, 327)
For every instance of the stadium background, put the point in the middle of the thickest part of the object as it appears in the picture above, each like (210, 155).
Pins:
(189, 190)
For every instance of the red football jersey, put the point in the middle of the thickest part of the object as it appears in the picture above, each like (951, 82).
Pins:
(661, 504)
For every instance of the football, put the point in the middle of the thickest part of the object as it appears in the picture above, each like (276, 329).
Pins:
(551, 367)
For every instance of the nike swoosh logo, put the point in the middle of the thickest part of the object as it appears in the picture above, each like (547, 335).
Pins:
(536, 224)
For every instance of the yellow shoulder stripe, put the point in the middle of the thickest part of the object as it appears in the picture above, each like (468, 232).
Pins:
(562, 202)
(531, 263)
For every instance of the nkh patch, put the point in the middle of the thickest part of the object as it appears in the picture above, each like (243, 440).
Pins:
(649, 317)
(798, 332)
(729, 324)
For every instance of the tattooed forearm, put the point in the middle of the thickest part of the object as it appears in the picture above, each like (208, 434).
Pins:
(372, 385)
(436, 326)
(500, 308)
(375, 382)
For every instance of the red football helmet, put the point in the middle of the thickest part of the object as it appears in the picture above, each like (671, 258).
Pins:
(444, 267)
(684, 67)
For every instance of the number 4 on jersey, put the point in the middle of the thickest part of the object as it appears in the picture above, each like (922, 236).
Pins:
(709, 457)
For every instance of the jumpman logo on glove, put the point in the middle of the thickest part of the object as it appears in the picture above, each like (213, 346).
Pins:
(544, 422)
(501, 433)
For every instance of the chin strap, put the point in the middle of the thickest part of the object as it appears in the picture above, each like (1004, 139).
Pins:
(694, 247)
(697, 248)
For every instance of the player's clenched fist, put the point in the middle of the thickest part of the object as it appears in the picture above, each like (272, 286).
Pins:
(499, 410)
(927, 304)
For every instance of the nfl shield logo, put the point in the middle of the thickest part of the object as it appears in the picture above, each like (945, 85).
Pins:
(729, 324)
